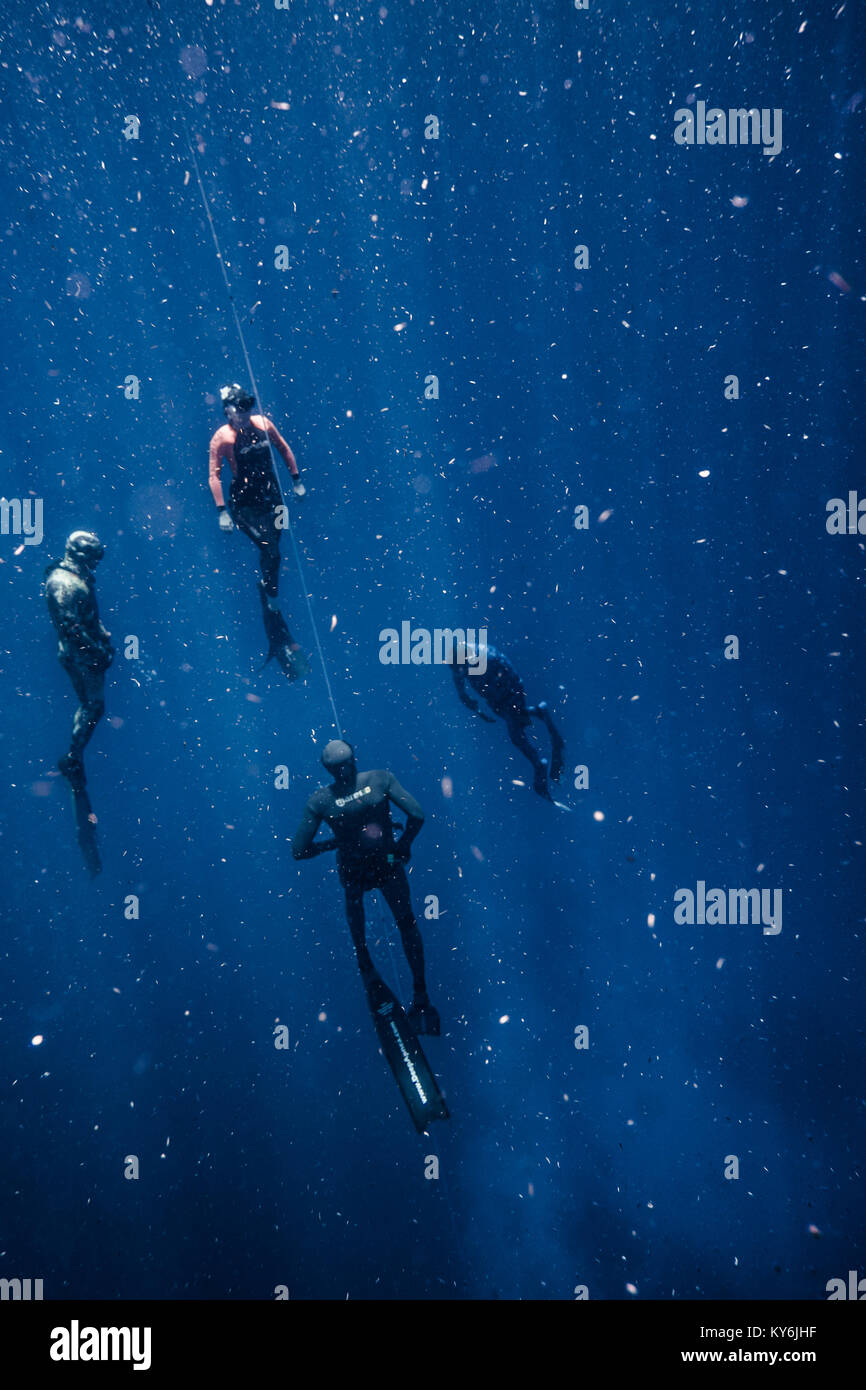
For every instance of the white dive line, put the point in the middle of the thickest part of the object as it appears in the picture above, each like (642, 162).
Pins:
(252, 379)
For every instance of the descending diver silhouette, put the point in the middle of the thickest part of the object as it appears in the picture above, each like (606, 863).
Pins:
(244, 442)
(85, 653)
(500, 685)
(360, 870)
(357, 809)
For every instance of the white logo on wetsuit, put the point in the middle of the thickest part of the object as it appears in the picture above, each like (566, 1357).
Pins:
(356, 796)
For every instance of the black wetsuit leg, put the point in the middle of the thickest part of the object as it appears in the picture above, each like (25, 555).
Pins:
(557, 743)
(89, 686)
(392, 883)
(395, 890)
(354, 890)
(259, 523)
(509, 702)
(517, 727)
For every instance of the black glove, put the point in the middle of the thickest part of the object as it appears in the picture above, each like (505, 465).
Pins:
(488, 718)
(401, 853)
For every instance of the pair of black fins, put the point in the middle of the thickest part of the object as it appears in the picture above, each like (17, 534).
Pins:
(282, 647)
(405, 1056)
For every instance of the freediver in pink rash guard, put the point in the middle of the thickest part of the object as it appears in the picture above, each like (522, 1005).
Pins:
(244, 443)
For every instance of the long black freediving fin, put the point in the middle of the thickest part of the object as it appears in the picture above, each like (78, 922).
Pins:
(85, 820)
(282, 647)
(404, 1055)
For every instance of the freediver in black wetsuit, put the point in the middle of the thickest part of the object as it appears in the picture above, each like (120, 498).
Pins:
(85, 653)
(84, 649)
(501, 687)
(357, 809)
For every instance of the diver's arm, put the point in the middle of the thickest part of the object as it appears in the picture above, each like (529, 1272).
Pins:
(288, 457)
(215, 467)
(218, 454)
(302, 844)
(281, 446)
(459, 674)
(69, 605)
(408, 805)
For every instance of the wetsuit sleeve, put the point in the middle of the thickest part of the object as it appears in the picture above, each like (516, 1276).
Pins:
(218, 456)
(408, 805)
(302, 844)
(281, 446)
(458, 671)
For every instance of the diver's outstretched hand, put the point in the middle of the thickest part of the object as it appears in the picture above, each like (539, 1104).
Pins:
(298, 488)
(226, 523)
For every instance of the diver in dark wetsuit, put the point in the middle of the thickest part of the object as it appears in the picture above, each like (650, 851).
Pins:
(84, 650)
(357, 810)
(244, 442)
(501, 687)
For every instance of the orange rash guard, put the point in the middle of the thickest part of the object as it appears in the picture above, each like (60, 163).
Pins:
(222, 450)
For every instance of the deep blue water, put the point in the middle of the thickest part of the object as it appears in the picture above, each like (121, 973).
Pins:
(559, 387)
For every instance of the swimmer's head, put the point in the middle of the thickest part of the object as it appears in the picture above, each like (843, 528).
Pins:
(338, 758)
(85, 547)
(236, 400)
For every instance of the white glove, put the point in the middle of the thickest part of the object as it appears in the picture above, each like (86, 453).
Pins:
(298, 488)
(226, 523)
